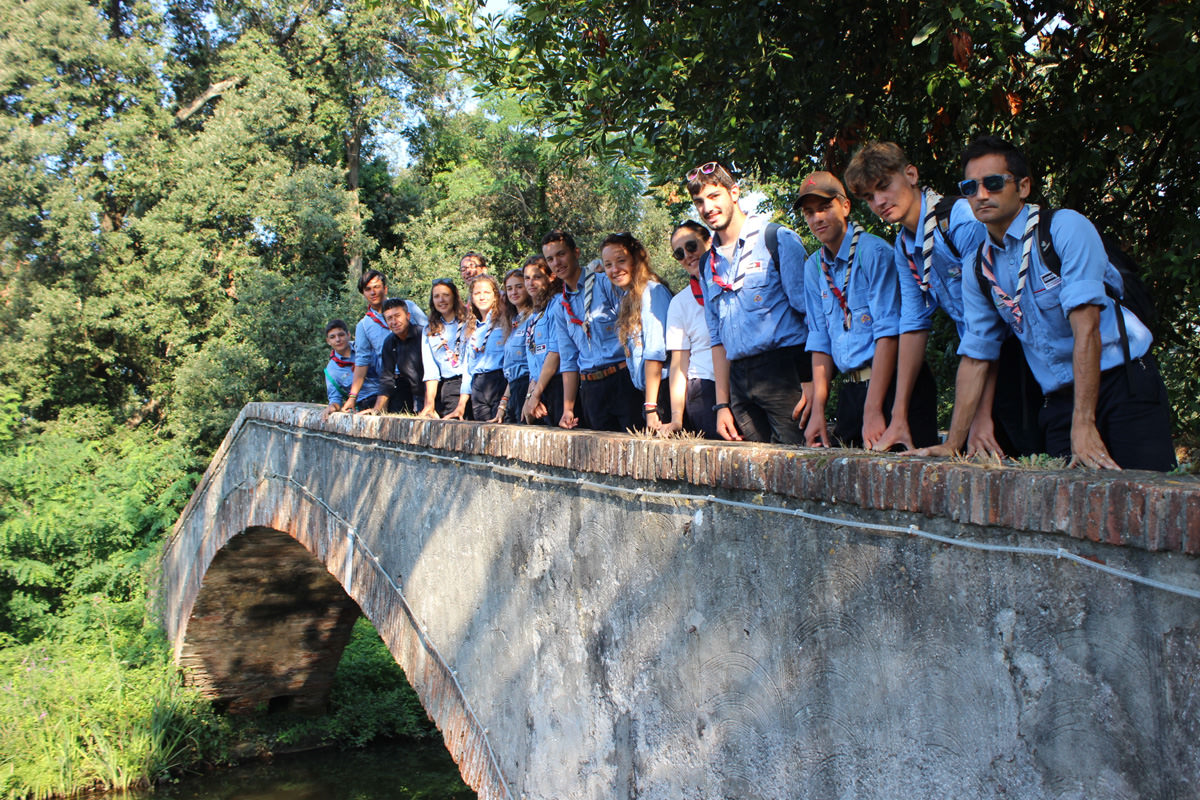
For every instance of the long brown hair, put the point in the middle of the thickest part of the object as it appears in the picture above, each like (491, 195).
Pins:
(555, 286)
(461, 312)
(629, 315)
(513, 312)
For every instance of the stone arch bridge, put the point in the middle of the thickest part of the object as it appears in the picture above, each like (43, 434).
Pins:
(606, 616)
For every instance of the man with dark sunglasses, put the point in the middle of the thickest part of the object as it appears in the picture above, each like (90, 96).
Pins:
(754, 307)
(1106, 405)
(934, 233)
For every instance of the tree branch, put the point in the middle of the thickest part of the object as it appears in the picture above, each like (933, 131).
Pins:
(212, 91)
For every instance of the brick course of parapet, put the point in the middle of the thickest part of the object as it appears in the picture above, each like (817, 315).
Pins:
(1146, 510)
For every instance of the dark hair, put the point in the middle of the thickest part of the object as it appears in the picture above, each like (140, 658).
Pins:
(336, 323)
(720, 176)
(395, 302)
(461, 313)
(559, 236)
(694, 227)
(1017, 164)
(369, 276)
(872, 164)
(477, 256)
(555, 285)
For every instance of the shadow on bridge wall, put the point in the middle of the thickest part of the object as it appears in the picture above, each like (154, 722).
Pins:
(580, 641)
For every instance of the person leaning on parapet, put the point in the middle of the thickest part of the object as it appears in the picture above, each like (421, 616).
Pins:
(1103, 408)
(853, 300)
(339, 372)
(934, 233)
(401, 387)
(471, 266)
(370, 332)
(754, 305)
(444, 352)
(584, 319)
(544, 397)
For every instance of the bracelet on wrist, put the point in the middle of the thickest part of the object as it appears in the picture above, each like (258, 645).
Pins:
(720, 406)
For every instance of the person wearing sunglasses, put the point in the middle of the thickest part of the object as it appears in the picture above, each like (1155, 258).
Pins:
(591, 355)
(933, 234)
(853, 302)
(369, 336)
(693, 391)
(1106, 405)
(754, 308)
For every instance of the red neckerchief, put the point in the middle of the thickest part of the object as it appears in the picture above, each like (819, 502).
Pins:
(342, 362)
(381, 323)
(566, 303)
(697, 292)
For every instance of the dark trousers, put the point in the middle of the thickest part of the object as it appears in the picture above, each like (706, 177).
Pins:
(486, 390)
(922, 410)
(447, 397)
(612, 403)
(1132, 416)
(764, 390)
(698, 415)
(517, 389)
(552, 399)
(1017, 404)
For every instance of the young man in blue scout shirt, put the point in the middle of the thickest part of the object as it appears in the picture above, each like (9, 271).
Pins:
(584, 320)
(1103, 412)
(852, 294)
(755, 313)
(371, 332)
(934, 236)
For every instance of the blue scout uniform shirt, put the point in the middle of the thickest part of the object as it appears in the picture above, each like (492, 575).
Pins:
(515, 364)
(338, 381)
(1045, 330)
(763, 308)
(651, 343)
(369, 335)
(444, 354)
(539, 338)
(945, 277)
(571, 342)
(873, 298)
(485, 352)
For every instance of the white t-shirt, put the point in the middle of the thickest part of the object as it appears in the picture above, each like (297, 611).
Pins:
(687, 330)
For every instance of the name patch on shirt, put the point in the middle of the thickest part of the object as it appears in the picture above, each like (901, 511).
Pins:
(1049, 281)
(752, 267)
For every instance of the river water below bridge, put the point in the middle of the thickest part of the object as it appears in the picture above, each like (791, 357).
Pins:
(392, 771)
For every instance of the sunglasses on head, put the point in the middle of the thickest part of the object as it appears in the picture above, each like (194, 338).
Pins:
(442, 282)
(690, 247)
(993, 183)
(706, 169)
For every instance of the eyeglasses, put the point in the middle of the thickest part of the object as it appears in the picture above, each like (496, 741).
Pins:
(993, 183)
(691, 246)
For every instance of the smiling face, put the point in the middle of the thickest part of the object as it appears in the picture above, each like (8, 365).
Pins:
(375, 292)
(716, 205)
(442, 298)
(537, 283)
(338, 340)
(693, 248)
(896, 198)
(997, 209)
(826, 218)
(618, 266)
(397, 320)
(563, 261)
(514, 288)
(483, 296)
(469, 267)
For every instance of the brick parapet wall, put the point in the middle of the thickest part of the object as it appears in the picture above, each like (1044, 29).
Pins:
(1137, 509)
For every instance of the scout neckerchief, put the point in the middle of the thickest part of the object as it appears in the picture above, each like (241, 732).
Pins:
(533, 324)
(589, 280)
(380, 322)
(483, 328)
(826, 267)
(453, 356)
(697, 292)
(1013, 303)
(342, 362)
(932, 198)
(728, 286)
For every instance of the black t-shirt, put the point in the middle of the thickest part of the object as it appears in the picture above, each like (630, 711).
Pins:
(401, 380)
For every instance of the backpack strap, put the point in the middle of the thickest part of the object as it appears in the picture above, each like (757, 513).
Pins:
(772, 237)
(984, 287)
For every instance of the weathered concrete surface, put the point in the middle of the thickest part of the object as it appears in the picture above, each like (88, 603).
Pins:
(576, 642)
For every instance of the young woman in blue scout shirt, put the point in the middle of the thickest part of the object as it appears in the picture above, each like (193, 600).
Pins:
(516, 366)
(485, 382)
(544, 399)
(641, 319)
(444, 352)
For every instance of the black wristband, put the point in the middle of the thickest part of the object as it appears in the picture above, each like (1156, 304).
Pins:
(719, 406)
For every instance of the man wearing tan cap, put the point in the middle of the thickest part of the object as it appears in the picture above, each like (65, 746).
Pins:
(853, 299)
